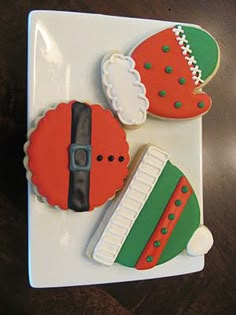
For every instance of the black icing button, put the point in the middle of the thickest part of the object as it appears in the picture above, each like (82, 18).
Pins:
(110, 158)
(99, 158)
(121, 158)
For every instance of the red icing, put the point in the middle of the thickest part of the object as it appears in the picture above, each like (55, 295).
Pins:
(155, 252)
(107, 138)
(156, 79)
(49, 156)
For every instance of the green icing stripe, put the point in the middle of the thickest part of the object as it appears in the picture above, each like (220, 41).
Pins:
(204, 49)
(188, 222)
(149, 216)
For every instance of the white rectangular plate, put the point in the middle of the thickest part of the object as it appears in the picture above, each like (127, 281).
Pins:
(64, 55)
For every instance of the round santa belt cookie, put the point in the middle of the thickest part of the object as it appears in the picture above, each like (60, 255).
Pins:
(164, 74)
(77, 156)
(155, 217)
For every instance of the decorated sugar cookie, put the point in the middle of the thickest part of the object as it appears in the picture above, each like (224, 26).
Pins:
(77, 156)
(164, 74)
(155, 217)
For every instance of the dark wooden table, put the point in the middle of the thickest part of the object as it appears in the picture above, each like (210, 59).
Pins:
(212, 291)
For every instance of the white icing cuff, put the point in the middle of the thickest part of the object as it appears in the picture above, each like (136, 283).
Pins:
(201, 242)
(135, 194)
(124, 90)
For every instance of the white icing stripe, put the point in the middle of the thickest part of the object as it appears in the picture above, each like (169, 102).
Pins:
(186, 49)
(124, 90)
(128, 209)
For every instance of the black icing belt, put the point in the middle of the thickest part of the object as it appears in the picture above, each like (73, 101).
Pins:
(80, 157)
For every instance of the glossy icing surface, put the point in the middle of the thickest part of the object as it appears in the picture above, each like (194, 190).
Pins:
(65, 84)
(165, 226)
(49, 156)
(154, 217)
(123, 89)
(129, 205)
(204, 48)
(108, 140)
(173, 78)
(152, 214)
(79, 184)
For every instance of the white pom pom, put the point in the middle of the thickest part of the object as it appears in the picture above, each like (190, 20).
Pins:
(200, 242)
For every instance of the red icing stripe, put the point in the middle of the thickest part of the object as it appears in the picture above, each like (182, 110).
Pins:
(159, 238)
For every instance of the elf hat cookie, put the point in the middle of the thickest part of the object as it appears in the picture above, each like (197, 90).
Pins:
(155, 217)
(170, 68)
(76, 156)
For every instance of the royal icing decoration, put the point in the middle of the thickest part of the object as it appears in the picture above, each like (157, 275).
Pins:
(152, 221)
(77, 156)
(201, 242)
(171, 66)
(124, 91)
(134, 196)
(165, 226)
(186, 51)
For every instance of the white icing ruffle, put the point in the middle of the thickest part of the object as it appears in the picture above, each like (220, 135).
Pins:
(124, 90)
